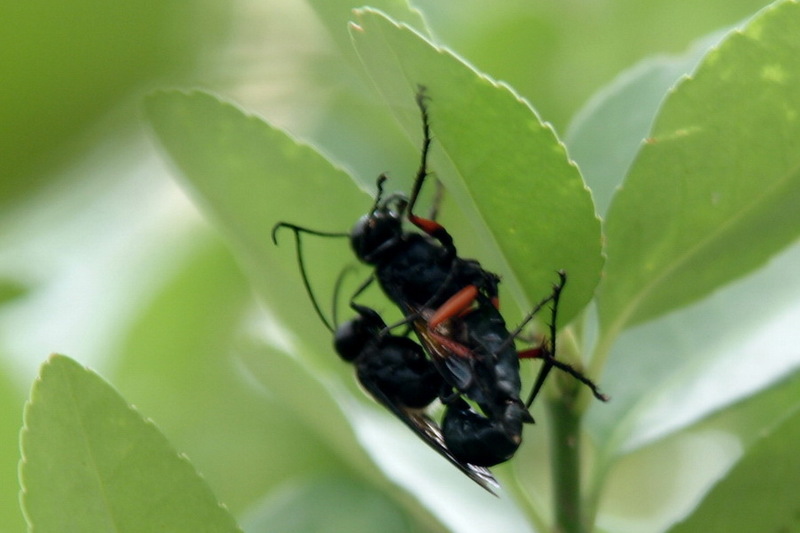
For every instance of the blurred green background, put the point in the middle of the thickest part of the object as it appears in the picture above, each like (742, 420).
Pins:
(104, 259)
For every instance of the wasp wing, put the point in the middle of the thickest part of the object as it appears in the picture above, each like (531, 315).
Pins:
(453, 360)
(430, 432)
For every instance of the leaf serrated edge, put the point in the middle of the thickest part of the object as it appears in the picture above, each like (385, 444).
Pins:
(25, 432)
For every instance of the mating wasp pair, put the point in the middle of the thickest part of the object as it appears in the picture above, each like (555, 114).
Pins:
(466, 356)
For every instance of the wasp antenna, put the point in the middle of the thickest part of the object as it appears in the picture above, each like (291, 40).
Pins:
(361, 288)
(307, 284)
(275, 229)
(379, 185)
(297, 230)
(301, 229)
(336, 290)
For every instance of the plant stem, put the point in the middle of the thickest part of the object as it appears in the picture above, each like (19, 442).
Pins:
(565, 463)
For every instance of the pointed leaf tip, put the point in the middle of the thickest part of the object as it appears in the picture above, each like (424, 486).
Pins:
(91, 462)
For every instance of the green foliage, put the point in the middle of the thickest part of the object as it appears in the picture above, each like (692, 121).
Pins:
(11, 404)
(348, 506)
(249, 176)
(714, 178)
(770, 462)
(681, 301)
(187, 332)
(90, 462)
(488, 168)
(113, 50)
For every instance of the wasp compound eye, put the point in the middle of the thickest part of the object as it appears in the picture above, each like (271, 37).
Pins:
(374, 235)
(350, 339)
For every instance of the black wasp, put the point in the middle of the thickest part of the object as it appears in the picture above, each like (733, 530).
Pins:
(452, 304)
(395, 371)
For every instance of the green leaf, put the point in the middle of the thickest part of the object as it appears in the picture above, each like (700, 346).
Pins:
(762, 485)
(341, 109)
(605, 136)
(329, 417)
(399, 454)
(653, 487)
(673, 371)
(189, 335)
(526, 202)
(90, 462)
(714, 192)
(52, 97)
(247, 176)
(331, 504)
(335, 14)
(11, 403)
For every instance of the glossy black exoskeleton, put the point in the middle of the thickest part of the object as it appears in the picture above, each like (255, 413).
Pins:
(396, 373)
(419, 272)
(452, 304)
(492, 381)
(415, 270)
(486, 370)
